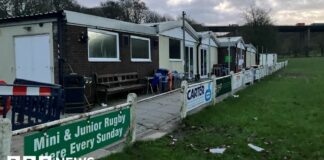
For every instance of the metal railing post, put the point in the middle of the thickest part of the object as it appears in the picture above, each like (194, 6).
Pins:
(5, 138)
(132, 99)
(214, 89)
(184, 90)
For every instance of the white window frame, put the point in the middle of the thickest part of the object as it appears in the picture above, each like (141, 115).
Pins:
(189, 45)
(149, 48)
(117, 59)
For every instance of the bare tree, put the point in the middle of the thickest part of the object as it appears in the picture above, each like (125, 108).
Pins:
(258, 28)
(153, 17)
(256, 17)
(4, 5)
(111, 9)
(133, 10)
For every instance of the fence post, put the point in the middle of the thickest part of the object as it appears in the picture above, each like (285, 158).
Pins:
(232, 82)
(184, 89)
(214, 90)
(132, 99)
(243, 78)
(5, 138)
(252, 70)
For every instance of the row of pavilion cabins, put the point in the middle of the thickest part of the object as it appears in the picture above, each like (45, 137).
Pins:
(51, 46)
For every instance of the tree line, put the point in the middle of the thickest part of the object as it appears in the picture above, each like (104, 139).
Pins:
(134, 11)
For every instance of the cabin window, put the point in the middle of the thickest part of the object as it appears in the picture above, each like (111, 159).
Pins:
(175, 49)
(140, 49)
(103, 46)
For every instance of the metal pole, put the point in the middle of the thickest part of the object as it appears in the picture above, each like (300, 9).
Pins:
(229, 55)
(184, 40)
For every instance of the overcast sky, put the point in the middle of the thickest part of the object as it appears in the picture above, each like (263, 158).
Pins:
(224, 12)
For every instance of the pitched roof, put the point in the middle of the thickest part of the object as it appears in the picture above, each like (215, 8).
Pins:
(168, 25)
(230, 41)
(250, 47)
(208, 34)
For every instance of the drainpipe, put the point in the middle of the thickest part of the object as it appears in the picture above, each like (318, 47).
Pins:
(209, 55)
(197, 78)
(60, 47)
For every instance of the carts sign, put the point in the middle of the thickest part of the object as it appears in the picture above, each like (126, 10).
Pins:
(79, 138)
(198, 95)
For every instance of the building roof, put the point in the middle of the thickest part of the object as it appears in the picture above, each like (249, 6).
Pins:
(102, 22)
(250, 47)
(208, 34)
(230, 41)
(82, 19)
(165, 26)
(37, 16)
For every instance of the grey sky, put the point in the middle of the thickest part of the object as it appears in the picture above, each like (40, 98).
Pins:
(224, 12)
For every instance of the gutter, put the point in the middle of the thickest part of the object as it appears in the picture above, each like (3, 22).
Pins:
(60, 46)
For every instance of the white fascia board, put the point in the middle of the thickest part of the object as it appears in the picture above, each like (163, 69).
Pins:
(101, 22)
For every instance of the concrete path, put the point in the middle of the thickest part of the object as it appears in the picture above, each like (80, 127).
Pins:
(158, 115)
(155, 118)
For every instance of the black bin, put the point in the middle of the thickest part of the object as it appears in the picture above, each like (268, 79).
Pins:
(74, 87)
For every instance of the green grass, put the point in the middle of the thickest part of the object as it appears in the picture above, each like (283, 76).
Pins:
(289, 107)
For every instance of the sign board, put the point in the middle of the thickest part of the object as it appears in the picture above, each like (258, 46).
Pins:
(228, 58)
(237, 81)
(223, 85)
(79, 138)
(248, 76)
(198, 95)
(257, 74)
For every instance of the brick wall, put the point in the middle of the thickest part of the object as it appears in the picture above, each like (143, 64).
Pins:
(76, 55)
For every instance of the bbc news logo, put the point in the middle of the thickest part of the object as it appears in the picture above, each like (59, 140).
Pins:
(44, 158)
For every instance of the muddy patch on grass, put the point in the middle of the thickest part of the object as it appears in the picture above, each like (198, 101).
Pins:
(294, 75)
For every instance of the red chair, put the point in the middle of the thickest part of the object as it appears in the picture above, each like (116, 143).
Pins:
(6, 101)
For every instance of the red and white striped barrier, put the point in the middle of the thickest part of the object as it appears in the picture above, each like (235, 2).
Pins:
(24, 91)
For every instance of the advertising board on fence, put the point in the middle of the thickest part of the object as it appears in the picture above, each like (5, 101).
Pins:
(237, 81)
(248, 76)
(79, 138)
(223, 85)
(257, 74)
(198, 95)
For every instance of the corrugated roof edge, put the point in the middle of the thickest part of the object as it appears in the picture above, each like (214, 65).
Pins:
(102, 22)
(37, 16)
(223, 41)
(86, 20)
(168, 25)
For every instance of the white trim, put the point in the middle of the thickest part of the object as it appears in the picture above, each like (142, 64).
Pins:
(97, 59)
(149, 50)
(175, 60)
(103, 60)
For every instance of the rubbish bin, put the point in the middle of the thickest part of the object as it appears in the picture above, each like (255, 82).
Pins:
(74, 87)
(164, 79)
(176, 80)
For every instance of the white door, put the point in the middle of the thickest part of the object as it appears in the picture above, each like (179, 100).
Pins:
(33, 60)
